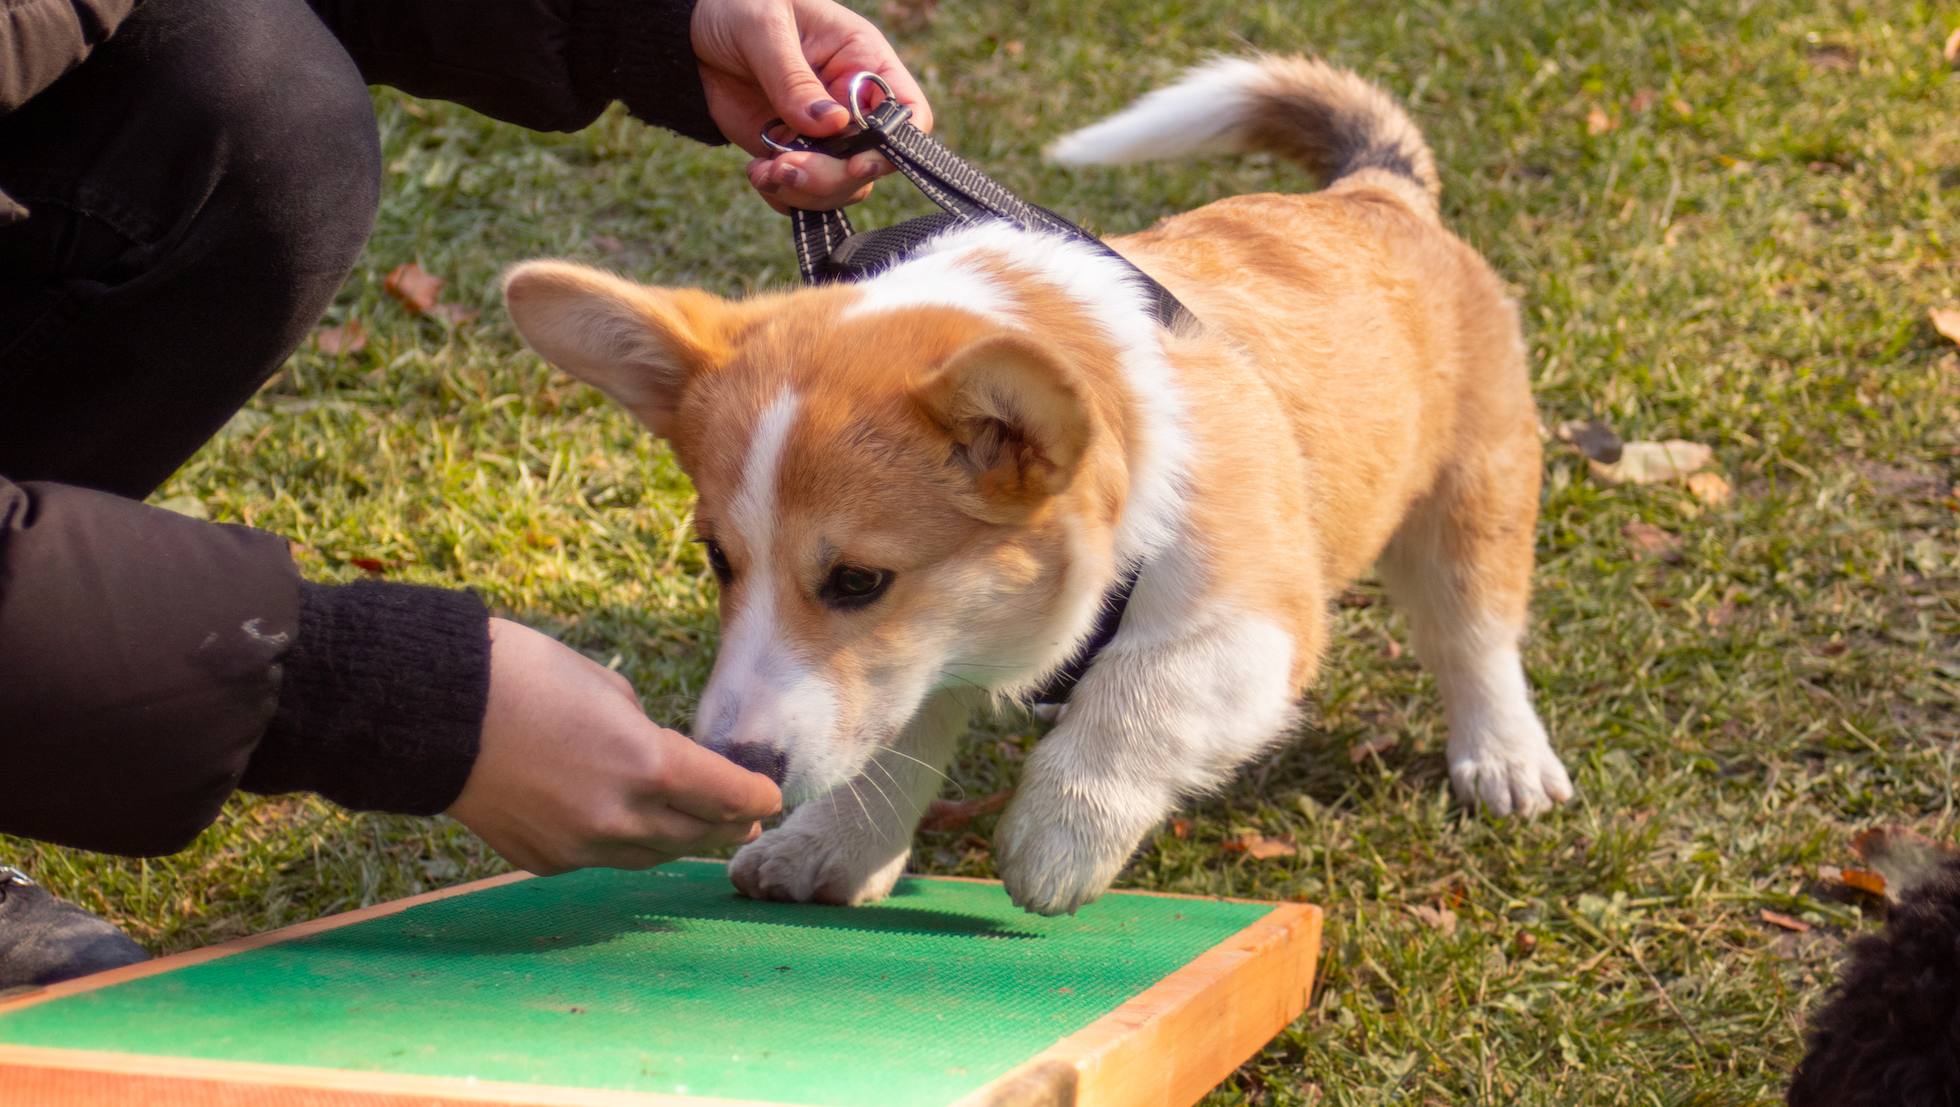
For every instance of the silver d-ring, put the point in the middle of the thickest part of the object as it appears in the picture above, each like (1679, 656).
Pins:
(774, 146)
(857, 87)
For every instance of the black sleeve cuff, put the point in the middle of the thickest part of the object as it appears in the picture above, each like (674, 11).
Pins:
(658, 75)
(381, 702)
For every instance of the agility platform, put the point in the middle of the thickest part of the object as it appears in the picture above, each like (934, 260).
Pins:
(667, 989)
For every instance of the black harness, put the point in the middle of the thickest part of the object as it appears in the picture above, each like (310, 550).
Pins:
(828, 250)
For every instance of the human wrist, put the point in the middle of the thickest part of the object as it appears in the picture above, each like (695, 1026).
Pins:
(657, 74)
(381, 698)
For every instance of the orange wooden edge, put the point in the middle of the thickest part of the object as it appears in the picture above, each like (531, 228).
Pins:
(1166, 1047)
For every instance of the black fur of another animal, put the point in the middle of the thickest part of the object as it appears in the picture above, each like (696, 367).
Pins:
(1890, 1032)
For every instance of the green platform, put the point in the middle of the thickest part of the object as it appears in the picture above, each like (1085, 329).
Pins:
(664, 981)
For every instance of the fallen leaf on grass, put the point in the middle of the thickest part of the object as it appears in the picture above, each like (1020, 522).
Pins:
(456, 315)
(1435, 918)
(413, 286)
(1725, 612)
(945, 814)
(1653, 462)
(1649, 540)
(1777, 918)
(1596, 440)
(906, 16)
(608, 243)
(1256, 845)
(1946, 321)
(348, 338)
(1181, 828)
(1643, 99)
(1598, 122)
(1681, 108)
(1359, 752)
(1864, 880)
(1902, 858)
(1710, 488)
(1392, 650)
(1951, 52)
(368, 564)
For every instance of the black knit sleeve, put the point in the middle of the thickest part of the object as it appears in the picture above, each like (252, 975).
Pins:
(382, 698)
(551, 65)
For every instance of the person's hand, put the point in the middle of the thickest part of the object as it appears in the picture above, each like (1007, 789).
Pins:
(794, 59)
(571, 774)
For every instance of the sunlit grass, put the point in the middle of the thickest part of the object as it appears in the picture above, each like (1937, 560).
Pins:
(1742, 257)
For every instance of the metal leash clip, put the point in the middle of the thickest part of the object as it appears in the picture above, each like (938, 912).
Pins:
(888, 114)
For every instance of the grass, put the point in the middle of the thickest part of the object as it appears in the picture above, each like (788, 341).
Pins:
(1738, 249)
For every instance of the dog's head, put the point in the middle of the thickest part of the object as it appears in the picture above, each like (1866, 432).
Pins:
(895, 501)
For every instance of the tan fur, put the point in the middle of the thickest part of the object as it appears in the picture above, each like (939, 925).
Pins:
(1356, 394)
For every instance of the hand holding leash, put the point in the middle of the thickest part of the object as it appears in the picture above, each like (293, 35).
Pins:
(791, 59)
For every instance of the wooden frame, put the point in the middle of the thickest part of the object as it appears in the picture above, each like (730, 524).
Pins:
(1166, 1047)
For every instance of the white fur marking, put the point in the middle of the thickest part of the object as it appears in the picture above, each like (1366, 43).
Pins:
(1200, 114)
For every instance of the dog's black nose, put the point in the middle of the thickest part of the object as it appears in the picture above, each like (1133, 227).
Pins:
(758, 757)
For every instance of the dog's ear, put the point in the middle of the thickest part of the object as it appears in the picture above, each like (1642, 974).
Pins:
(637, 344)
(1017, 421)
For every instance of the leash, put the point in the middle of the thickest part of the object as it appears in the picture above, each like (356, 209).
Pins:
(828, 250)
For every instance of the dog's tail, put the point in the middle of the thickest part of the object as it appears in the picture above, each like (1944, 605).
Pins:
(1327, 118)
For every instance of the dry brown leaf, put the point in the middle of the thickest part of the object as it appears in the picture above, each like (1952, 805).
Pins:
(1650, 540)
(348, 338)
(1946, 321)
(415, 288)
(1643, 99)
(1952, 49)
(1181, 828)
(1596, 440)
(369, 564)
(456, 315)
(1392, 650)
(1901, 857)
(1864, 880)
(1435, 918)
(1360, 751)
(907, 16)
(1256, 845)
(1598, 122)
(945, 814)
(1787, 922)
(1681, 108)
(1654, 462)
(1710, 488)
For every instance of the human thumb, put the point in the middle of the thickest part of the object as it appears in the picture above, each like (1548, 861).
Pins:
(793, 88)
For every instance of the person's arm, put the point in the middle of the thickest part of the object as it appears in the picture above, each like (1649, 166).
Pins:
(713, 70)
(550, 65)
(150, 664)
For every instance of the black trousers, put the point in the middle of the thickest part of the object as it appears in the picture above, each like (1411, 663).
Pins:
(198, 189)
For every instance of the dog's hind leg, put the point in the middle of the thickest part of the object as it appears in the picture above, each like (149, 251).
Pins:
(849, 846)
(1459, 568)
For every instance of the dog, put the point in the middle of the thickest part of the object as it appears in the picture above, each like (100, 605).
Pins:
(1890, 1033)
(917, 490)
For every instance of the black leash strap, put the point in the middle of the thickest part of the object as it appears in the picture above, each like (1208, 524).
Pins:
(827, 249)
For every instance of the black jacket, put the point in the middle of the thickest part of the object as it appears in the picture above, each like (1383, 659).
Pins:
(150, 664)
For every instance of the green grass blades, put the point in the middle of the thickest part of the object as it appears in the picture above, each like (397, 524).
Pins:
(1723, 222)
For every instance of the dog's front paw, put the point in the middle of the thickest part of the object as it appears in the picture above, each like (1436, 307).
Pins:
(812, 865)
(1051, 863)
(1523, 779)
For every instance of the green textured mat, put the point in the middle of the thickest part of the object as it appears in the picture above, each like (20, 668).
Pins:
(664, 981)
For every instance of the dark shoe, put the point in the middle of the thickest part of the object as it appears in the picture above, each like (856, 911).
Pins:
(44, 940)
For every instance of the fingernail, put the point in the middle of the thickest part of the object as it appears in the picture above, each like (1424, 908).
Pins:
(768, 187)
(821, 108)
(791, 176)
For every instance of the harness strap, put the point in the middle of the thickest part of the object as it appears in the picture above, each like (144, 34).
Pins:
(966, 194)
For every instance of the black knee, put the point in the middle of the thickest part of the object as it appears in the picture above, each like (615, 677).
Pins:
(198, 189)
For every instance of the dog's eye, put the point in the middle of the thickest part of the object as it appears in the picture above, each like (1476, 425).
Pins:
(854, 586)
(718, 561)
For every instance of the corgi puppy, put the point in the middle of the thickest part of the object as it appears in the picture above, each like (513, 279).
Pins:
(917, 490)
